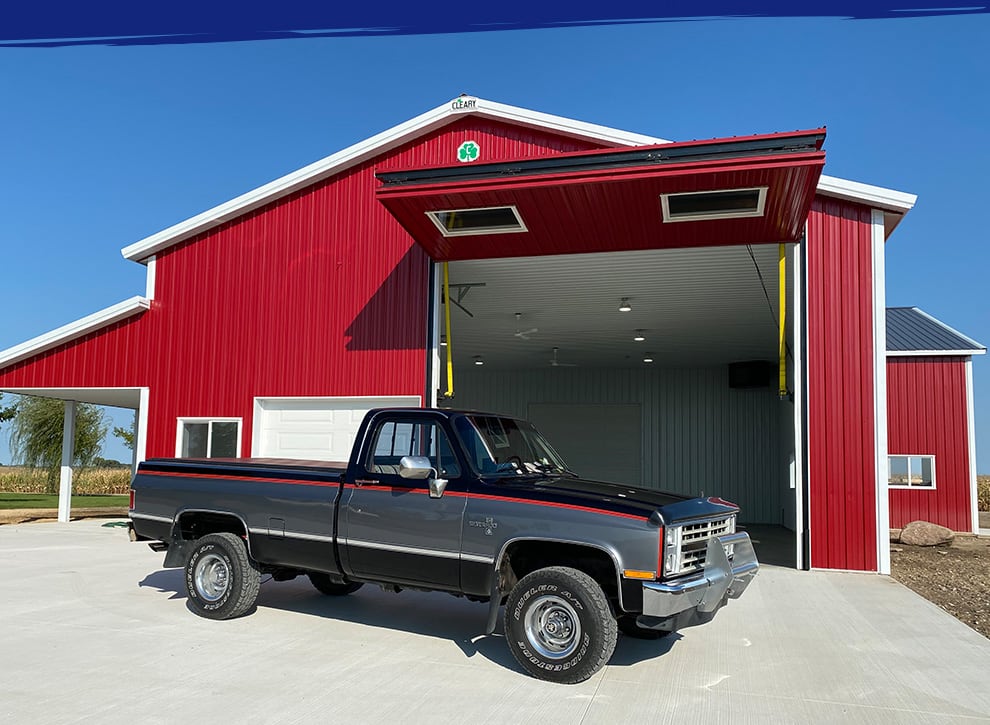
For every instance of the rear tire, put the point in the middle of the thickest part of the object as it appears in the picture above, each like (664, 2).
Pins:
(325, 585)
(559, 625)
(221, 579)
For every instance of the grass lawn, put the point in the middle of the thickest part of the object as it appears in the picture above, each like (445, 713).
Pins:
(50, 501)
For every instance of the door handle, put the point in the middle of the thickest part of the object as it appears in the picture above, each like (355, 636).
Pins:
(363, 481)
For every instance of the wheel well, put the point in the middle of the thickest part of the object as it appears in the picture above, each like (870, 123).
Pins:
(523, 557)
(196, 524)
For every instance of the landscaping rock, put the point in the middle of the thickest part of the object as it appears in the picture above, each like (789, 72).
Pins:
(925, 533)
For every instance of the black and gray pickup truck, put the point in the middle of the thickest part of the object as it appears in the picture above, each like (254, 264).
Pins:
(474, 504)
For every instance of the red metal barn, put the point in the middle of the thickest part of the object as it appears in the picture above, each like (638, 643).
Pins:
(704, 317)
(931, 441)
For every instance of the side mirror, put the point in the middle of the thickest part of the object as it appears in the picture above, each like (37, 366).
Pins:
(418, 467)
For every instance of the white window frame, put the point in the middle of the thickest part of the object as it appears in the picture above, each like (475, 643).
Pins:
(909, 486)
(761, 203)
(180, 422)
(477, 231)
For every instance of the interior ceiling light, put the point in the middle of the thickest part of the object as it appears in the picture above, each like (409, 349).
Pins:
(478, 360)
(638, 337)
(624, 305)
(648, 358)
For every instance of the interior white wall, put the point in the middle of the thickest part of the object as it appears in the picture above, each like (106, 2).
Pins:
(698, 435)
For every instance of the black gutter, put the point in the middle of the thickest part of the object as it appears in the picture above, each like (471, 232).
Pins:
(625, 158)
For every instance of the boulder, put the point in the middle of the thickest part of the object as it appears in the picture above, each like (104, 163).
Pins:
(925, 533)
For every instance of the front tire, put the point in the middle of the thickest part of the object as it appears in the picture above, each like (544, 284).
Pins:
(559, 625)
(325, 585)
(221, 579)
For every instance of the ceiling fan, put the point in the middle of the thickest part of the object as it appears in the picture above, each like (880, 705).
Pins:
(555, 363)
(523, 334)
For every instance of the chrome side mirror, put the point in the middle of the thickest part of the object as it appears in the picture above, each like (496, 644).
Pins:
(418, 468)
(415, 467)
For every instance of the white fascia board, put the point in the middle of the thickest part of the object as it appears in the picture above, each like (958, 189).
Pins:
(876, 196)
(80, 327)
(378, 144)
(935, 353)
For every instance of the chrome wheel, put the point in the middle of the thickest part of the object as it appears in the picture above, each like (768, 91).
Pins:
(552, 627)
(211, 577)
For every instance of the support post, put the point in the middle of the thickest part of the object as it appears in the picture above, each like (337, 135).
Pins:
(68, 453)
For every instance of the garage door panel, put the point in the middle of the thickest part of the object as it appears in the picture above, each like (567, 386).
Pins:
(322, 429)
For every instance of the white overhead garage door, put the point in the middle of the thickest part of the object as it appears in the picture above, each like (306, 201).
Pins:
(321, 429)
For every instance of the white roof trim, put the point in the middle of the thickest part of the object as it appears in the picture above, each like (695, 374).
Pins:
(935, 353)
(80, 327)
(384, 141)
(876, 196)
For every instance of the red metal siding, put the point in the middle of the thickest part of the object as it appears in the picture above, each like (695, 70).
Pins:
(926, 415)
(841, 443)
(321, 293)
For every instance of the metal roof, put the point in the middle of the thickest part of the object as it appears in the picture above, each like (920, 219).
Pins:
(911, 331)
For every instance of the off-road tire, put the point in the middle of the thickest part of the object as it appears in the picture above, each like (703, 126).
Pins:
(221, 579)
(559, 625)
(627, 625)
(325, 585)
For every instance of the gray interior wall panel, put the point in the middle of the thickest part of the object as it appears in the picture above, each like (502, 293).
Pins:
(698, 435)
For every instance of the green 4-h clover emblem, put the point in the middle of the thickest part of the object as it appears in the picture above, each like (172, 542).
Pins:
(468, 151)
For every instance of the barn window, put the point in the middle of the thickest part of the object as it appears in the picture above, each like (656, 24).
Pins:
(489, 220)
(911, 471)
(725, 204)
(209, 438)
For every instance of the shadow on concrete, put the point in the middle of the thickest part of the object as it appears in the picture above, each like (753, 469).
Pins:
(428, 614)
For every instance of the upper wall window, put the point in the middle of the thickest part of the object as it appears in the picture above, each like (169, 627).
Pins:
(911, 471)
(490, 220)
(209, 438)
(726, 204)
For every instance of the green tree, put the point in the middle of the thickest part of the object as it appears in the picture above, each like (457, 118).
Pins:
(126, 435)
(36, 435)
(7, 412)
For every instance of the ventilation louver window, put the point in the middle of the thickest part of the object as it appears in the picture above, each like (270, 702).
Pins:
(490, 220)
(726, 204)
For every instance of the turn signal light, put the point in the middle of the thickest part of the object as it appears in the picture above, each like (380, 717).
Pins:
(636, 574)
(131, 505)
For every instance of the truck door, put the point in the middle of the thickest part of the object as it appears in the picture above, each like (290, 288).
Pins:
(393, 530)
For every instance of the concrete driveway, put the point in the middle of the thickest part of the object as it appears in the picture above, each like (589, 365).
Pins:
(93, 630)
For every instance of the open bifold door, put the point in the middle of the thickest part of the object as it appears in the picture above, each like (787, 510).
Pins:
(752, 190)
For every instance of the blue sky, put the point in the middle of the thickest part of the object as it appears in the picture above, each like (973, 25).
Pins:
(102, 146)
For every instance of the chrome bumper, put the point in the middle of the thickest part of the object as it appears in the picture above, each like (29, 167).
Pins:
(708, 590)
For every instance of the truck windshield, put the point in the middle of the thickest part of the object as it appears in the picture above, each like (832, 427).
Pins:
(507, 447)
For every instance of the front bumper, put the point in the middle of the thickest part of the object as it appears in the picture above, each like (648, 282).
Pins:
(695, 599)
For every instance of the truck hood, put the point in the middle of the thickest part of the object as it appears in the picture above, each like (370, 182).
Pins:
(663, 507)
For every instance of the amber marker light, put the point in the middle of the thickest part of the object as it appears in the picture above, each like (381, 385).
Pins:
(636, 574)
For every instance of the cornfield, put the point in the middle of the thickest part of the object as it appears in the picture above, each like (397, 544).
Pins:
(21, 479)
(983, 492)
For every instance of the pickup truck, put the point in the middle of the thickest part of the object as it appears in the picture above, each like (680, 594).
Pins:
(475, 504)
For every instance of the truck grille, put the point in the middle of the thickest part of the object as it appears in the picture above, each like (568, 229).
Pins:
(686, 545)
